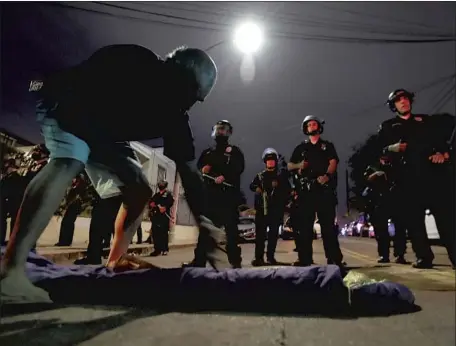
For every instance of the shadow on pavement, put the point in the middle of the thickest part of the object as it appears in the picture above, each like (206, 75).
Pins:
(49, 332)
(10, 310)
(351, 314)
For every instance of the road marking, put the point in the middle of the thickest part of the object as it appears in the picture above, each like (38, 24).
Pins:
(355, 253)
(361, 241)
(396, 266)
(358, 256)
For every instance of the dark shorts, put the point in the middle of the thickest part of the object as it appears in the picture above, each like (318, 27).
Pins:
(109, 165)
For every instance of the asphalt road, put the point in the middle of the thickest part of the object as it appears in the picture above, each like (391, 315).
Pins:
(96, 325)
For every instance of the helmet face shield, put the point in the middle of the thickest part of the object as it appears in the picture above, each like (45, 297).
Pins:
(221, 130)
(270, 157)
(162, 185)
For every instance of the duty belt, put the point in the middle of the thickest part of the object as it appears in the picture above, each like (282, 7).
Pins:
(310, 184)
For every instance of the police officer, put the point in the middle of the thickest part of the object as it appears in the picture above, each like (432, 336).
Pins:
(412, 144)
(440, 192)
(160, 216)
(379, 207)
(315, 161)
(221, 167)
(272, 190)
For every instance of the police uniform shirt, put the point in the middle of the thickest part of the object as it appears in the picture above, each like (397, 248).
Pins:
(227, 161)
(264, 181)
(164, 199)
(419, 132)
(317, 155)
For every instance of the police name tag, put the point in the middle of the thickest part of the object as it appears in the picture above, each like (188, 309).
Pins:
(35, 85)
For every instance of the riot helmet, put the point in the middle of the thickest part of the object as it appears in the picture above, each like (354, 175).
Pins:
(396, 95)
(270, 158)
(309, 118)
(221, 131)
(162, 185)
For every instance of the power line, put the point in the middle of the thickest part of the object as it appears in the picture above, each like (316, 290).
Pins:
(281, 17)
(69, 6)
(417, 91)
(440, 95)
(443, 100)
(224, 27)
(366, 14)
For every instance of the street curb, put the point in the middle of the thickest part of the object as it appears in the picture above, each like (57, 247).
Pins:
(72, 255)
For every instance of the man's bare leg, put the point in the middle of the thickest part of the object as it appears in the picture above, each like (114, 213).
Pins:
(41, 199)
(128, 220)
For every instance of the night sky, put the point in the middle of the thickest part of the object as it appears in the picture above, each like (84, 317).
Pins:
(338, 61)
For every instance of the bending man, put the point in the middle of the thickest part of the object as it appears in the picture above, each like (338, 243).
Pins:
(88, 113)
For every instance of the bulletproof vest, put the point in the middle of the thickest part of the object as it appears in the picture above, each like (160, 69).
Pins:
(221, 158)
(276, 197)
(414, 162)
(160, 199)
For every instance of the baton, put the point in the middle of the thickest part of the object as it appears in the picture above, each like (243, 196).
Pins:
(167, 215)
(212, 178)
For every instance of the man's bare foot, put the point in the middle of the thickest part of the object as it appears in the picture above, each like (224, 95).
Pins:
(16, 288)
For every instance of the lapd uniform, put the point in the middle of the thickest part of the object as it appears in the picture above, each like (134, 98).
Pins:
(316, 198)
(293, 207)
(412, 174)
(270, 208)
(380, 207)
(160, 221)
(225, 160)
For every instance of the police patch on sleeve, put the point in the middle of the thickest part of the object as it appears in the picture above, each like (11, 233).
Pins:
(35, 85)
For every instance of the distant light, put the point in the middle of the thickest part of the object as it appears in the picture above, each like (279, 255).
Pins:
(248, 38)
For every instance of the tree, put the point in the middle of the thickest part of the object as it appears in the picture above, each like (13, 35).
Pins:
(364, 154)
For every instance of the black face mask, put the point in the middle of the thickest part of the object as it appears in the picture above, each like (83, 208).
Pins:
(221, 140)
(161, 187)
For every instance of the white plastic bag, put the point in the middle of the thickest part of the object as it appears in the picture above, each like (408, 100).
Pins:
(105, 182)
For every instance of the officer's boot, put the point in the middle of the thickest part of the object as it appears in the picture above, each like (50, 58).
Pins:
(383, 259)
(400, 260)
(258, 262)
(272, 261)
(422, 264)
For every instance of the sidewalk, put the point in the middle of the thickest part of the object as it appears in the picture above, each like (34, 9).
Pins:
(181, 236)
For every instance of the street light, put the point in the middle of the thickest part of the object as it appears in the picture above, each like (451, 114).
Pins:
(248, 38)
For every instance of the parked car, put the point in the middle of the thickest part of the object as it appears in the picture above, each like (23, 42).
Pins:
(246, 227)
(431, 228)
(287, 231)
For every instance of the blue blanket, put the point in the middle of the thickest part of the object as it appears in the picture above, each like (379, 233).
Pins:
(316, 289)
